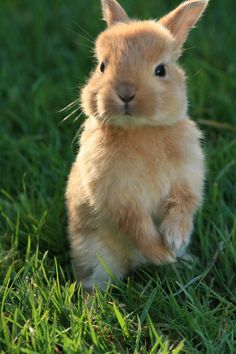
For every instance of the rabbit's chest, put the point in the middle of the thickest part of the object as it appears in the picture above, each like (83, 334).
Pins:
(151, 177)
(145, 173)
(137, 168)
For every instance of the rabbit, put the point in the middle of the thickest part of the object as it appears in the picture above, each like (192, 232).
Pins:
(138, 177)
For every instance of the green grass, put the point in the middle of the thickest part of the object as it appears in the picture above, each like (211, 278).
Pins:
(189, 307)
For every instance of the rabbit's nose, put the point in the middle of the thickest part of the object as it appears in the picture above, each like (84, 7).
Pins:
(126, 99)
(126, 92)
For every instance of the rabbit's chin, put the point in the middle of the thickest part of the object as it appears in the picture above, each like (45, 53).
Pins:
(134, 121)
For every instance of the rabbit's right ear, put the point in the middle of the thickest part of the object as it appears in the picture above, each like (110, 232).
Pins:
(113, 12)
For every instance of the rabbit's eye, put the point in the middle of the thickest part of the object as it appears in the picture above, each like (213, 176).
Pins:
(160, 70)
(102, 67)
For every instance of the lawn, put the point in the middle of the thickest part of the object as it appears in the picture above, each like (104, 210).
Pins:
(188, 307)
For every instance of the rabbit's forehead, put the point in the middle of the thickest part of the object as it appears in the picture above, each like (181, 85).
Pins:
(135, 41)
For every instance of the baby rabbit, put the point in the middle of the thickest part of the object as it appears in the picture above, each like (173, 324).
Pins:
(138, 177)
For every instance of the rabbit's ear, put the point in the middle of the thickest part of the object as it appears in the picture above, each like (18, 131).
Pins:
(183, 18)
(113, 12)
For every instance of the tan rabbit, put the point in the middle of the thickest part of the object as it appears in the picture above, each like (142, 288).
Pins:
(138, 177)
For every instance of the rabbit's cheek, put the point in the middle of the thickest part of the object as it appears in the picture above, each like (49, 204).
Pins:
(146, 103)
(89, 102)
(106, 103)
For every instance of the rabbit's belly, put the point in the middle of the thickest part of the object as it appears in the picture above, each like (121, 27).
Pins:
(103, 252)
(118, 247)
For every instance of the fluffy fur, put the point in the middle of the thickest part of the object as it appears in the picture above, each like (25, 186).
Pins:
(138, 177)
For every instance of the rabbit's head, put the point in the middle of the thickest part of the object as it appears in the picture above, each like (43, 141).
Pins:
(137, 80)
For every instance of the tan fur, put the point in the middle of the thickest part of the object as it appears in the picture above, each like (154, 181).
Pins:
(180, 20)
(138, 178)
(113, 12)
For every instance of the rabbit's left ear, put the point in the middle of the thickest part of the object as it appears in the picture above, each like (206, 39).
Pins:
(113, 12)
(183, 18)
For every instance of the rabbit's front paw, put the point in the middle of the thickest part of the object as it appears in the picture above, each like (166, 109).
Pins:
(176, 232)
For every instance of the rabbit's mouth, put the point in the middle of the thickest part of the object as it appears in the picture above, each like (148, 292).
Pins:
(127, 110)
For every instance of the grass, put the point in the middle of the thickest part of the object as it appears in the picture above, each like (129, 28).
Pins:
(189, 307)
